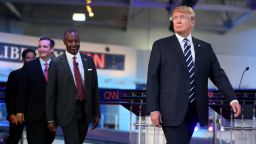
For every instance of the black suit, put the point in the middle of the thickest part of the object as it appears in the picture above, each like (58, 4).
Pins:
(32, 103)
(61, 98)
(168, 86)
(11, 94)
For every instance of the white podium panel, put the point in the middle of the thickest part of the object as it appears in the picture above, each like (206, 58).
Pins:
(143, 132)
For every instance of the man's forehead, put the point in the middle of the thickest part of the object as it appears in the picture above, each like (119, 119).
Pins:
(72, 35)
(44, 41)
(179, 13)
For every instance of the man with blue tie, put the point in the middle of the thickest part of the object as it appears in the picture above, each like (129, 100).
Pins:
(177, 85)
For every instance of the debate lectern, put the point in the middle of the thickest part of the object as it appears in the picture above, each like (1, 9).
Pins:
(230, 130)
(146, 132)
(226, 128)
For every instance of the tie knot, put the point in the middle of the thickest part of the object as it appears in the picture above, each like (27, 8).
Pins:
(74, 61)
(185, 40)
(46, 66)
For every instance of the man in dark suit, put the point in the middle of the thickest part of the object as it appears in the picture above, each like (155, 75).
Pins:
(31, 106)
(72, 98)
(177, 86)
(11, 94)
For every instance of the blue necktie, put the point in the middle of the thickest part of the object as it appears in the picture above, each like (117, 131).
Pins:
(191, 69)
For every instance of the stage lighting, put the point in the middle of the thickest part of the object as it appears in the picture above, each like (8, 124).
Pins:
(196, 129)
(210, 128)
(79, 17)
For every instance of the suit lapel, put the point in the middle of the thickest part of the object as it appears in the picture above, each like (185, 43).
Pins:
(39, 70)
(67, 68)
(198, 53)
(85, 65)
(178, 49)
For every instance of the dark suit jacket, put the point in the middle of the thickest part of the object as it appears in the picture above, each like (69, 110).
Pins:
(32, 90)
(61, 91)
(11, 92)
(168, 86)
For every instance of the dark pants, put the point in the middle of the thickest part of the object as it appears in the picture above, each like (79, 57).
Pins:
(182, 134)
(15, 133)
(76, 131)
(38, 133)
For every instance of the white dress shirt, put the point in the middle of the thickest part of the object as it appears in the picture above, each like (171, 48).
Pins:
(42, 62)
(79, 62)
(181, 41)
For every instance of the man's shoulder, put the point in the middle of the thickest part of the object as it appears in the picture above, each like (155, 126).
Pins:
(59, 58)
(12, 73)
(32, 63)
(165, 39)
(15, 74)
(15, 71)
(85, 56)
(18, 71)
(200, 41)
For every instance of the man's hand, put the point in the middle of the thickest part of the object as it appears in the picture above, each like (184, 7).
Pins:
(12, 118)
(95, 122)
(20, 117)
(156, 118)
(52, 126)
(236, 108)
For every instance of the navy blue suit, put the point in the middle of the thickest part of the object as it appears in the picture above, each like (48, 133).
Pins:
(168, 85)
(11, 95)
(32, 103)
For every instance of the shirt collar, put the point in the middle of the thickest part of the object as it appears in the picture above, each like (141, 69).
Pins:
(70, 56)
(42, 62)
(180, 38)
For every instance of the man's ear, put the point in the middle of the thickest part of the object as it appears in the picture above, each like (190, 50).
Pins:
(193, 23)
(52, 49)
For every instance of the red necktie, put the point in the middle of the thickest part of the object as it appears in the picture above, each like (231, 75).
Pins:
(79, 81)
(46, 71)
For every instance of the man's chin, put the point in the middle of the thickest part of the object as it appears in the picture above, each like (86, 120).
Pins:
(178, 30)
(74, 52)
(42, 56)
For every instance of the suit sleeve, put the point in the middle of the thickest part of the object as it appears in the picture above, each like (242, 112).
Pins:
(219, 78)
(23, 89)
(95, 93)
(10, 94)
(153, 80)
(51, 92)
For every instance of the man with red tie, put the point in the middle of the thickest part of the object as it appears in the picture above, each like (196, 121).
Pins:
(31, 106)
(72, 98)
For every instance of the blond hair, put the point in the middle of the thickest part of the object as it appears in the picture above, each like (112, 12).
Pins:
(185, 9)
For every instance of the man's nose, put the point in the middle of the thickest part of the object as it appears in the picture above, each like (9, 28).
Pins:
(73, 42)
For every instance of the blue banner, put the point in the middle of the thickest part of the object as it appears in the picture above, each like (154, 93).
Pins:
(13, 53)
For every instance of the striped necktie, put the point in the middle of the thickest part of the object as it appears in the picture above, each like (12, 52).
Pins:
(191, 69)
